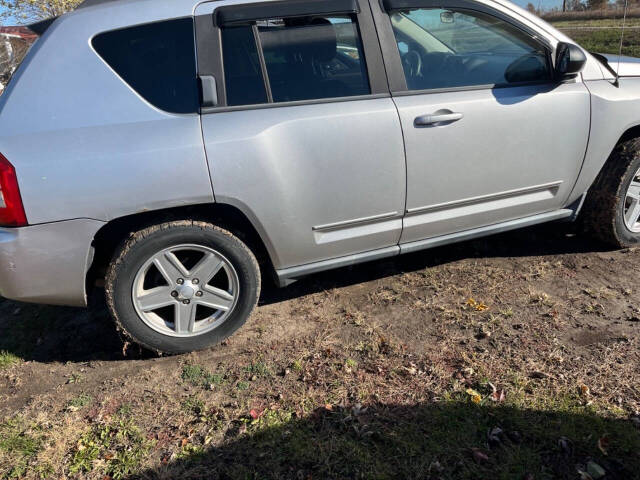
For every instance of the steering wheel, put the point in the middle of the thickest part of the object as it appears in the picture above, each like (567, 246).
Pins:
(412, 62)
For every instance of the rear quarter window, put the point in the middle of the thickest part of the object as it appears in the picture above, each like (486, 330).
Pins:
(157, 60)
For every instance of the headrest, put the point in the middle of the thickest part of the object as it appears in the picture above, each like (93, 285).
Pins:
(315, 38)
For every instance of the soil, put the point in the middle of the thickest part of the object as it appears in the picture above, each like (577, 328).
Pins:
(547, 318)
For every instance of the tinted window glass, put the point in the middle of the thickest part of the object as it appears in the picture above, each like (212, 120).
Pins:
(157, 60)
(442, 48)
(242, 70)
(306, 58)
(312, 58)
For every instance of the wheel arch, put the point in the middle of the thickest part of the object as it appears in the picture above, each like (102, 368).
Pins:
(113, 233)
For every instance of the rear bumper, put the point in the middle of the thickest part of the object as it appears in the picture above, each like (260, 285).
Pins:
(47, 263)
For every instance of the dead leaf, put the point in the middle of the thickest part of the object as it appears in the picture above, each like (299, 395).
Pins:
(498, 395)
(255, 414)
(603, 444)
(478, 306)
(475, 396)
(479, 456)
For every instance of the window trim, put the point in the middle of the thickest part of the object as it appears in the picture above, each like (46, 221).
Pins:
(229, 15)
(397, 80)
(210, 61)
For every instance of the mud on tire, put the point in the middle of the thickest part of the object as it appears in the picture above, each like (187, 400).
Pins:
(603, 213)
(136, 252)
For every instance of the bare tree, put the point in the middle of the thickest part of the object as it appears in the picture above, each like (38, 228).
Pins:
(25, 11)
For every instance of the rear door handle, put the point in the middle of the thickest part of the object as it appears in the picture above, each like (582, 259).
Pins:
(437, 118)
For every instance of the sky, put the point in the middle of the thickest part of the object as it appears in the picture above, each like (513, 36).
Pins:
(522, 3)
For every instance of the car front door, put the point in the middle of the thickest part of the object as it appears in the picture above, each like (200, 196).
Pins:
(299, 128)
(489, 135)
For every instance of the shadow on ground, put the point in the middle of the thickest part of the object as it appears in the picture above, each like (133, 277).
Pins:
(448, 440)
(549, 239)
(46, 334)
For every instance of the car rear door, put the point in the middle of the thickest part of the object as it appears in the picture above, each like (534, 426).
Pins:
(299, 128)
(490, 136)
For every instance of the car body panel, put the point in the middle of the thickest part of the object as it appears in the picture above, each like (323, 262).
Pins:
(47, 263)
(319, 180)
(503, 160)
(615, 109)
(623, 65)
(83, 143)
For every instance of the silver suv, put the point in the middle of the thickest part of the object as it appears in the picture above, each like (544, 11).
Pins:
(174, 149)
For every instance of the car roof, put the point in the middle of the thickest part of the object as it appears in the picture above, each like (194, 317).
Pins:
(92, 3)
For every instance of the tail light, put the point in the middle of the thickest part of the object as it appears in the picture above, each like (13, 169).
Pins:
(15, 43)
(11, 208)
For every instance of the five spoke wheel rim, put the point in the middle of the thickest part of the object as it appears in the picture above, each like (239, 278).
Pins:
(631, 207)
(185, 290)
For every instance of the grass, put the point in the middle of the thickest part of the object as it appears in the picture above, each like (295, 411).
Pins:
(399, 377)
(114, 449)
(20, 442)
(79, 402)
(606, 41)
(7, 359)
(602, 35)
(199, 376)
(258, 369)
(407, 441)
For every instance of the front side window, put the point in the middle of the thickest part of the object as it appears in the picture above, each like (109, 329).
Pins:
(305, 58)
(445, 48)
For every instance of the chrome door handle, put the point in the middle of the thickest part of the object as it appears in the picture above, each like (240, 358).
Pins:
(436, 118)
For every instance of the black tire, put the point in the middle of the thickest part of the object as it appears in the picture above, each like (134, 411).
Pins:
(603, 210)
(141, 246)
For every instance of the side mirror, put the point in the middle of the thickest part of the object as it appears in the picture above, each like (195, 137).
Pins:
(570, 60)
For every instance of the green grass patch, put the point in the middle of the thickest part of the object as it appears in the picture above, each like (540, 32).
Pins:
(258, 369)
(603, 40)
(20, 442)
(115, 449)
(79, 402)
(7, 359)
(194, 406)
(198, 376)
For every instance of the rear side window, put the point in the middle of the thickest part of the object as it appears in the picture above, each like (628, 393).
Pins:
(303, 58)
(157, 60)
